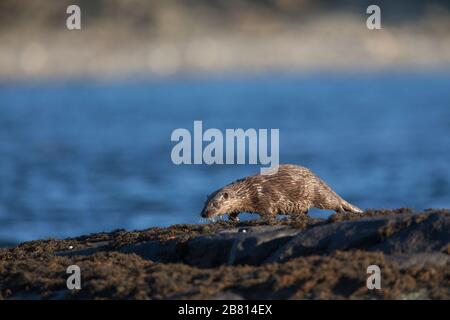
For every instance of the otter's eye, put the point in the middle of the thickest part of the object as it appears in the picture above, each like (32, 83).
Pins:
(225, 195)
(215, 204)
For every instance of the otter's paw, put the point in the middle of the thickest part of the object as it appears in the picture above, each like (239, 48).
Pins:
(268, 218)
(233, 218)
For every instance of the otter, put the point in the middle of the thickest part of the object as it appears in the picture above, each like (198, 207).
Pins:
(291, 190)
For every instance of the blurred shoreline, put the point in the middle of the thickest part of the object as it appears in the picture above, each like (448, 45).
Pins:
(177, 39)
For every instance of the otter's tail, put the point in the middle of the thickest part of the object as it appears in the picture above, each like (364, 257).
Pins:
(349, 207)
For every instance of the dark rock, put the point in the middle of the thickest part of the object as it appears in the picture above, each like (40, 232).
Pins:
(93, 248)
(233, 247)
(394, 234)
(154, 250)
(403, 233)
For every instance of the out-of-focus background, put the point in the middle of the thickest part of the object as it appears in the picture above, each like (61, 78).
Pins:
(86, 115)
(122, 37)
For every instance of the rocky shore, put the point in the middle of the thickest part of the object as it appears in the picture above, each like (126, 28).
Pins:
(302, 259)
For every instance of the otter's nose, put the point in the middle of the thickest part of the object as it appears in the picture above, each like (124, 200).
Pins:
(203, 214)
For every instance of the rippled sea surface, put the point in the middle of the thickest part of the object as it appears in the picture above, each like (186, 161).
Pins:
(84, 156)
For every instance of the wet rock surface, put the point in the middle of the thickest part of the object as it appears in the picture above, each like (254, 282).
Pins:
(302, 259)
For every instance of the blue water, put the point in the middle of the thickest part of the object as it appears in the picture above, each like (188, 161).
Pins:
(84, 156)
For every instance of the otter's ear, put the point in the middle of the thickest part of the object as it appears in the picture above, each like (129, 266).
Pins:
(225, 195)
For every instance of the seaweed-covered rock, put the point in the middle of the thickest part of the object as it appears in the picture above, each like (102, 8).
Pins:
(255, 245)
(306, 259)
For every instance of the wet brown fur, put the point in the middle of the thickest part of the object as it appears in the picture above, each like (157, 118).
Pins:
(292, 190)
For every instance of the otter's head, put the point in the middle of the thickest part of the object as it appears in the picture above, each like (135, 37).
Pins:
(219, 203)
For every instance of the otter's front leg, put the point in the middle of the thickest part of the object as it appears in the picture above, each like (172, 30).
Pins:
(234, 217)
(268, 216)
(298, 215)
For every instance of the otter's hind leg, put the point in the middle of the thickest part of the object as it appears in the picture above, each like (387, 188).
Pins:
(339, 209)
(331, 203)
